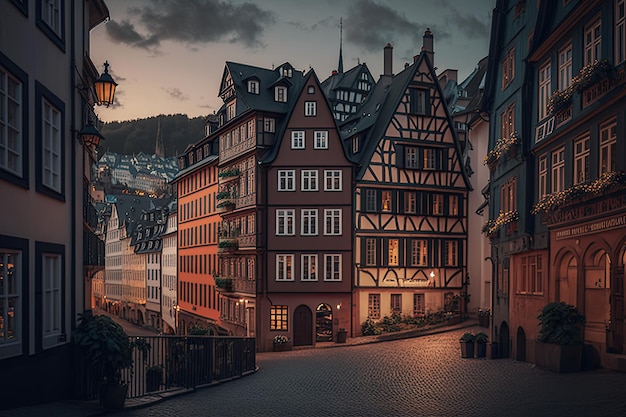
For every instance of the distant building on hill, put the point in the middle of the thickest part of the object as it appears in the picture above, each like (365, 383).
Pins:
(143, 172)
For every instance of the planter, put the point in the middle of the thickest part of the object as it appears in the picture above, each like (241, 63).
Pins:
(342, 336)
(483, 321)
(283, 347)
(113, 396)
(558, 358)
(481, 350)
(467, 349)
(154, 378)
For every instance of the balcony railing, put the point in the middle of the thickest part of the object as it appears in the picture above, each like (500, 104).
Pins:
(172, 363)
(93, 249)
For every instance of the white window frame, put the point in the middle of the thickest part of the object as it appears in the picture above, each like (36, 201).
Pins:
(310, 108)
(11, 90)
(52, 287)
(297, 139)
(308, 266)
(285, 222)
(253, 87)
(371, 202)
(565, 67)
(332, 222)
(592, 42)
(308, 180)
(286, 180)
(51, 157)
(11, 346)
(280, 94)
(332, 180)
(545, 89)
(284, 267)
(608, 142)
(620, 31)
(51, 15)
(321, 139)
(581, 159)
(411, 157)
(270, 124)
(309, 222)
(558, 170)
(332, 267)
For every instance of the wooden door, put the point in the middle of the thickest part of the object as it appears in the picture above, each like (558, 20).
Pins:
(302, 326)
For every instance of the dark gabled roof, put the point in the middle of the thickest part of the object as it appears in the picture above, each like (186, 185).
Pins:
(345, 79)
(474, 84)
(264, 101)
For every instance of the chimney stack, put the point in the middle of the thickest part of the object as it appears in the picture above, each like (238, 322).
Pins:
(387, 60)
(427, 46)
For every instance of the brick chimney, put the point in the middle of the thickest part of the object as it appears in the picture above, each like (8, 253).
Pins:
(427, 46)
(388, 60)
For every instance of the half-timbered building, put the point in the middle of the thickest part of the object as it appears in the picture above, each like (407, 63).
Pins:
(410, 198)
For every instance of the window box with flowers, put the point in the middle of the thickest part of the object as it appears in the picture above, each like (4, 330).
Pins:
(282, 343)
(591, 74)
(491, 227)
(504, 147)
(606, 183)
(228, 245)
(225, 284)
(484, 314)
(229, 174)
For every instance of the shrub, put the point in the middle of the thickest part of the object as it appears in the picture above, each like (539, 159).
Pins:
(481, 338)
(560, 324)
(468, 337)
(370, 328)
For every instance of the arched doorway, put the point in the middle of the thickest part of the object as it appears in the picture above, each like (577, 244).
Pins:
(520, 345)
(504, 340)
(302, 326)
(324, 323)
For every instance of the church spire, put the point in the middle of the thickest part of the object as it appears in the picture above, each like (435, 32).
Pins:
(340, 64)
(159, 149)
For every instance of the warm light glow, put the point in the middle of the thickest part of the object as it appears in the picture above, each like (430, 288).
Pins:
(432, 274)
(105, 87)
(89, 136)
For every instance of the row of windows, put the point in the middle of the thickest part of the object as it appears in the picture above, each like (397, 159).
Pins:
(395, 301)
(411, 252)
(286, 268)
(320, 139)
(198, 235)
(309, 180)
(412, 202)
(197, 264)
(552, 165)
(286, 224)
(50, 283)
(197, 207)
(202, 295)
(197, 180)
(49, 133)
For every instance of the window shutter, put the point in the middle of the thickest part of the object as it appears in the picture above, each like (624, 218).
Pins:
(400, 156)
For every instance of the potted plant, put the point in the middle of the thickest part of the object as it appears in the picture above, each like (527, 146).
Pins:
(107, 350)
(559, 343)
(342, 335)
(481, 340)
(467, 345)
(483, 317)
(282, 343)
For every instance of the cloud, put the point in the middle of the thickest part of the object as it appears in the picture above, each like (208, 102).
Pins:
(469, 25)
(176, 94)
(191, 22)
(372, 25)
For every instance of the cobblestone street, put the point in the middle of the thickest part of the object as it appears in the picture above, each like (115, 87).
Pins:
(422, 376)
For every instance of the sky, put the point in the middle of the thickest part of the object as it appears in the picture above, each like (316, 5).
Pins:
(168, 56)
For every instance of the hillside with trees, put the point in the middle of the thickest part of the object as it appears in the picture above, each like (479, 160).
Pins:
(134, 136)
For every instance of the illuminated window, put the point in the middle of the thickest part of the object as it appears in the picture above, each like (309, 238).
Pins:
(451, 253)
(279, 317)
(284, 267)
(531, 275)
(386, 201)
(508, 68)
(419, 252)
(11, 318)
(437, 207)
(392, 255)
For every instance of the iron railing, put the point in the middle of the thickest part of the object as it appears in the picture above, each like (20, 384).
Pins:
(169, 363)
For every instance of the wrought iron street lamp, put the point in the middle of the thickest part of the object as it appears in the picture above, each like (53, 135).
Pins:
(105, 87)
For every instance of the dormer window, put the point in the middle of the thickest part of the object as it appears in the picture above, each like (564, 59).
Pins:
(287, 72)
(253, 87)
(280, 94)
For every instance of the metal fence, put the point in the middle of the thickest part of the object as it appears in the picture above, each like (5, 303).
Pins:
(167, 363)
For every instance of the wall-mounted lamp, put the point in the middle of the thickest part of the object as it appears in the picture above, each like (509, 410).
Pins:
(432, 274)
(89, 136)
(105, 87)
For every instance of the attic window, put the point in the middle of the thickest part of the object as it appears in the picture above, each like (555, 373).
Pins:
(253, 87)
(287, 72)
(311, 90)
(280, 94)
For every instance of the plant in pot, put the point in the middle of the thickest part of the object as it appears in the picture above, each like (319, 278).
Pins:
(559, 342)
(282, 343)
(106, 350)
(481, 340)
(467, 345)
